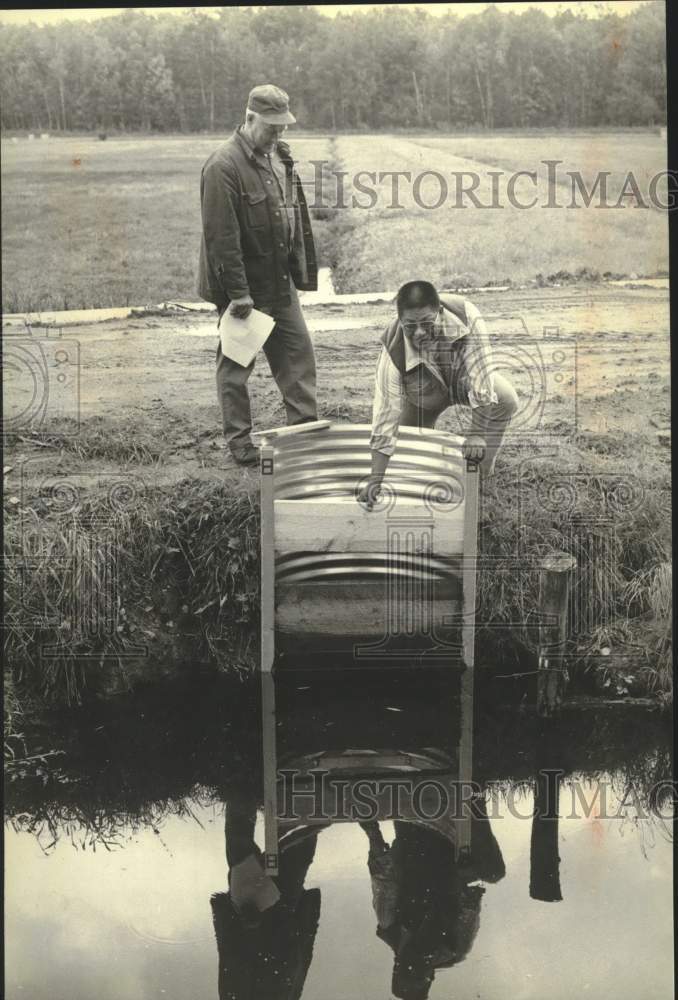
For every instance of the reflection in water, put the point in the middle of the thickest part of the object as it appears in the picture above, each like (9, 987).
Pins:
(356, 907)
(426, 908)
(544, 857)
(427, 911)
(265, 926)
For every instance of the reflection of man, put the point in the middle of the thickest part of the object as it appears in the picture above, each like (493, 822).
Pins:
(265, 927)
(426, 911)
(257, 249)
(435, 354)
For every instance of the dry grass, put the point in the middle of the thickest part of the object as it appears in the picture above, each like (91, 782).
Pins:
(187, 565)
(621, 596)
(649, 597)
(185, 562)
(127, 441)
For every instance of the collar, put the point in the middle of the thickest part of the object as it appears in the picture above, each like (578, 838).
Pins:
(283, 150)
(248, 148)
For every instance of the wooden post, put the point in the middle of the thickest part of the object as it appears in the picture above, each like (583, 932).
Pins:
(270, 766)
(554, 588)
(263, 437)
(268, 720)
(267, 557)
(468, 629)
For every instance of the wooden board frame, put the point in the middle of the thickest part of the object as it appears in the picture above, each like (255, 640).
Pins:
(468, 632)
(267, 556)
(469, 588)
(268, 725)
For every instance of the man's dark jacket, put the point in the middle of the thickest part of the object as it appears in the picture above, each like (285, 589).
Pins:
(244, 249)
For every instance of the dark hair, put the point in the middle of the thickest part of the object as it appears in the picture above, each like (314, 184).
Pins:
(415, 295)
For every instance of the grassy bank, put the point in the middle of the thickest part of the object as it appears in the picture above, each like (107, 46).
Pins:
(184, 588)
(618, 530)
(134, 518)
(171, 575)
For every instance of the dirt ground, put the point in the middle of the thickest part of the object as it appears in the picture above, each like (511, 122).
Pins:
(591, 362)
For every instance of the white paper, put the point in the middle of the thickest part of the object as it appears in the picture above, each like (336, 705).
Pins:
(242, 338)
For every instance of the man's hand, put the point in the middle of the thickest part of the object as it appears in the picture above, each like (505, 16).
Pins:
(242, 307)
(369, 494)
(473, 448)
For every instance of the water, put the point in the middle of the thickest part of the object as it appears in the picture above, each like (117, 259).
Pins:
(135, 920)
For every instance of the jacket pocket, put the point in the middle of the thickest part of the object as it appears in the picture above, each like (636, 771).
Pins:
(256, 209)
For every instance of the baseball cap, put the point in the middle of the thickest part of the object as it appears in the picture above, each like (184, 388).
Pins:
(272, 103)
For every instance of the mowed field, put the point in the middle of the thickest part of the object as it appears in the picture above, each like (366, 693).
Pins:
(96, 224)
(489, 238)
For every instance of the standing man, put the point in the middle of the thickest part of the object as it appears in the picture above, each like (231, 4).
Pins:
(257, 250)
(435, 354)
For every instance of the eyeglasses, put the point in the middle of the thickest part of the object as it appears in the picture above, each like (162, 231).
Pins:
(428, 327)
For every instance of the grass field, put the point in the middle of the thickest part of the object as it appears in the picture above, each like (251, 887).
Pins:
(96, 224)
(461, 244)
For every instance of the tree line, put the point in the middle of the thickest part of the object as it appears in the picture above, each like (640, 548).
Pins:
(373, 69)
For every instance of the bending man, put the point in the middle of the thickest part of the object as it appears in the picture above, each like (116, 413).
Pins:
(436, 354)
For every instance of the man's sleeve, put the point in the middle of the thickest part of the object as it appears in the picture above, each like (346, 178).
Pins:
(388, 392)
(219, 197)
(479, 360)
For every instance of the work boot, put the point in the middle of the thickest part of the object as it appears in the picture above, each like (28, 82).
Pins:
(246, 455)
